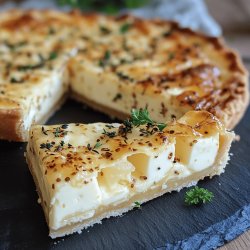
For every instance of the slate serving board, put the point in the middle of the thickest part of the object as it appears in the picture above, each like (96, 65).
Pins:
(164, 223)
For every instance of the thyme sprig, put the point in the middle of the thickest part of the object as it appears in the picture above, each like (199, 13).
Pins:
(141, 117)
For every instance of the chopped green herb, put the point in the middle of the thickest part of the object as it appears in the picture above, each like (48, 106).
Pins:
(89, 147)
(30, 67)
(104, 61)
(105, 30)
(62, 143)
(125, 28)
(14, 80)
(14, 46)
(59, 132)
(125, 61)
(52, 56)
(125, 128)
(196, 196)
(171, 56)
(51, 31)
(145, 132)
(109, 134)
(122, 76)
(107, 55)
(137, 204)
(98, 145)
(47, 145)
(109, 126)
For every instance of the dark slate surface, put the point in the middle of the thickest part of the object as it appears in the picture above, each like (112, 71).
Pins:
(163, 223)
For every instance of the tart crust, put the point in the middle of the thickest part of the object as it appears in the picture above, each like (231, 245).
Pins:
(12, 127)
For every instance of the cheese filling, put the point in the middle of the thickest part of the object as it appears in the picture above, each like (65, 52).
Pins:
(113, 184)
(123, 96)
(54, 88)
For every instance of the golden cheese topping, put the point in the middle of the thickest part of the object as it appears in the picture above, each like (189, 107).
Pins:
(157, 57)
(72, 149)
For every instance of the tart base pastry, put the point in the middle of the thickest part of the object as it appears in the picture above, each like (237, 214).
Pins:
(85, 173)
(13, 127)
(116, 64)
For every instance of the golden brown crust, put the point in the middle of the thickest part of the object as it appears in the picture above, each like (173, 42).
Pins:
(211, 75)
(10, 125)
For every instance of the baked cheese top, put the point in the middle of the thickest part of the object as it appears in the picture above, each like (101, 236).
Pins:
(158, 56)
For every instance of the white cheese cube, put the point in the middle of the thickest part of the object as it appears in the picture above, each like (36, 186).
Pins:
(151, 169)
(69, 200)
(114, 182)
(197, 153)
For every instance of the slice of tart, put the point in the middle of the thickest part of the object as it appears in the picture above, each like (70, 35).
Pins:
(87, 172)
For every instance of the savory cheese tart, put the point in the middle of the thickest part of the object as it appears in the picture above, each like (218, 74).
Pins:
(87, 172)
(113, 64)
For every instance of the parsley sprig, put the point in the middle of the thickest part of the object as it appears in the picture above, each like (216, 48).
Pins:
(197, 196)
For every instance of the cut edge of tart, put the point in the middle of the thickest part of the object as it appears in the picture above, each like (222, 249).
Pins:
(87, 172)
